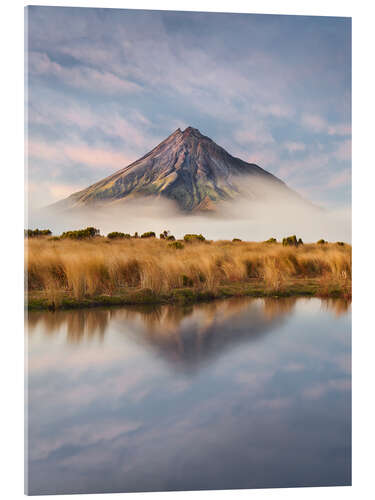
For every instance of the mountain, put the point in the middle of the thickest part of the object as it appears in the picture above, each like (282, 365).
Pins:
(186, 167)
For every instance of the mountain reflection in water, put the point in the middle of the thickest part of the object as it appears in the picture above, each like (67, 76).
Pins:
(240, 393)
(184, 335)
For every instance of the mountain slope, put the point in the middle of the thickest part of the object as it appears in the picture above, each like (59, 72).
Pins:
(186, 167)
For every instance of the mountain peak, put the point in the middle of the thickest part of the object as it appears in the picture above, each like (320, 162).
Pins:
(186, 167)
(188, 132)
(192, 131)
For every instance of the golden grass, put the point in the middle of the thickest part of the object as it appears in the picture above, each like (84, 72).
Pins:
(90, 268)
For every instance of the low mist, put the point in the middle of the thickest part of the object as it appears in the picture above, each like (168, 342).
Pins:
(259, 213)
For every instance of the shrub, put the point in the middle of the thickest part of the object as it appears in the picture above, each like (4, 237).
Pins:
(136, 235)
(271, 240)
(292, 241)
(321, 242)
(149, 234)
(340, 243)
(165, 235)
(190, 238)
(176, 245)
(236, 239)
(118, 235)
(80, 234)
(32, 233)
(171, 238)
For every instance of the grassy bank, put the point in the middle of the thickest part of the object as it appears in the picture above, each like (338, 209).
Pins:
(100, 271)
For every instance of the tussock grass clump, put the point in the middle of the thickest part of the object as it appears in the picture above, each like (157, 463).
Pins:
(118, 235)
(89, 267)
(177, 245)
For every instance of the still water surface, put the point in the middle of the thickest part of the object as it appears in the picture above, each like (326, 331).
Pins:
(244, 393)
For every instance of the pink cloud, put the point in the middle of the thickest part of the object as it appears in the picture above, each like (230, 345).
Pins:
(59, 191)
(95, 157)
(131, 130)
(254, 133)
(262, 157)
(344, 151)
(316, 161)
(44, 193)
(319, 390)
(341, 179)
(41, 150)
(293, 147)
(339, 129)
(277, 110)
(80, 153)
(317, 124)
(314, 122)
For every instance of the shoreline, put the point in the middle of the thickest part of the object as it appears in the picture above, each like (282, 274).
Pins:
(37, 300)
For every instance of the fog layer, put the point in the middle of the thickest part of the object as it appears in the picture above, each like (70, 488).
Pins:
(248, 219)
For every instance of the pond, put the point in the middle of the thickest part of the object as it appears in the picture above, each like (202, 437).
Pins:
(240, 393)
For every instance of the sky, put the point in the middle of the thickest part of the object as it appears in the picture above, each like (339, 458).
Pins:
(107, 85)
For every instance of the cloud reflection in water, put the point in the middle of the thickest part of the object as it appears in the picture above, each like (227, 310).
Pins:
(234, 394)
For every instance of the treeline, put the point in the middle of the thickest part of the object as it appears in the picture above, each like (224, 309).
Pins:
(92, 232)
(33, 233)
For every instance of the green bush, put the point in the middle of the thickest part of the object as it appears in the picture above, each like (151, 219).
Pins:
(165, 235)
(321, 242)
(236, 239)
(176, 245)
(32, 233)
(149, 234)
(271, 240)
(340, 243)
(118, 235)
(190, 238)
(81, 234)
(292, 241)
